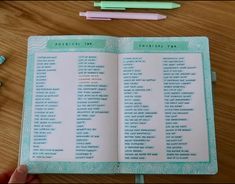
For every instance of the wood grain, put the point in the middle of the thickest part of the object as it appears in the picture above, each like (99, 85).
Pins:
(19, 20)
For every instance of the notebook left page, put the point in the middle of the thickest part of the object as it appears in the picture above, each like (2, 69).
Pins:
(70, 108)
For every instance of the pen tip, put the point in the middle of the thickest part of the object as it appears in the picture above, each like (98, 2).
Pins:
(162, 17)
(97, 4)
(82, 13)
(176, 5)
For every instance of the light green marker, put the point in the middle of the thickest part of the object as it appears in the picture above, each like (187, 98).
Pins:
(122, 5)
(2, 59)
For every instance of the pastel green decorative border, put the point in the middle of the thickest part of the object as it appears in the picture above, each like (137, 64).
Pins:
(117, 45)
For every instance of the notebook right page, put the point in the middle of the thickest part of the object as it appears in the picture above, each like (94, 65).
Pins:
(163, 112)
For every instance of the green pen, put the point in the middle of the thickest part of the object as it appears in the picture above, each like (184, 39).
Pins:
(122, 5)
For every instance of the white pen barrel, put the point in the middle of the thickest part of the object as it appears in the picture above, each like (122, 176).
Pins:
(121, 15)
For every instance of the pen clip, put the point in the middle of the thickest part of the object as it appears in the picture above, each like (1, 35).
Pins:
(97, 18)
(113, 8)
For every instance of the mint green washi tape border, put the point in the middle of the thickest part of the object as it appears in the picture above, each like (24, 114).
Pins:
(76, 43)
(161, 45)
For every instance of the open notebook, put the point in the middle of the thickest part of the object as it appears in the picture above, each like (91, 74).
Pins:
(102, 104)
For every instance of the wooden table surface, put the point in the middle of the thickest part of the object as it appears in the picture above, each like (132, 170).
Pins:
(21, 19)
